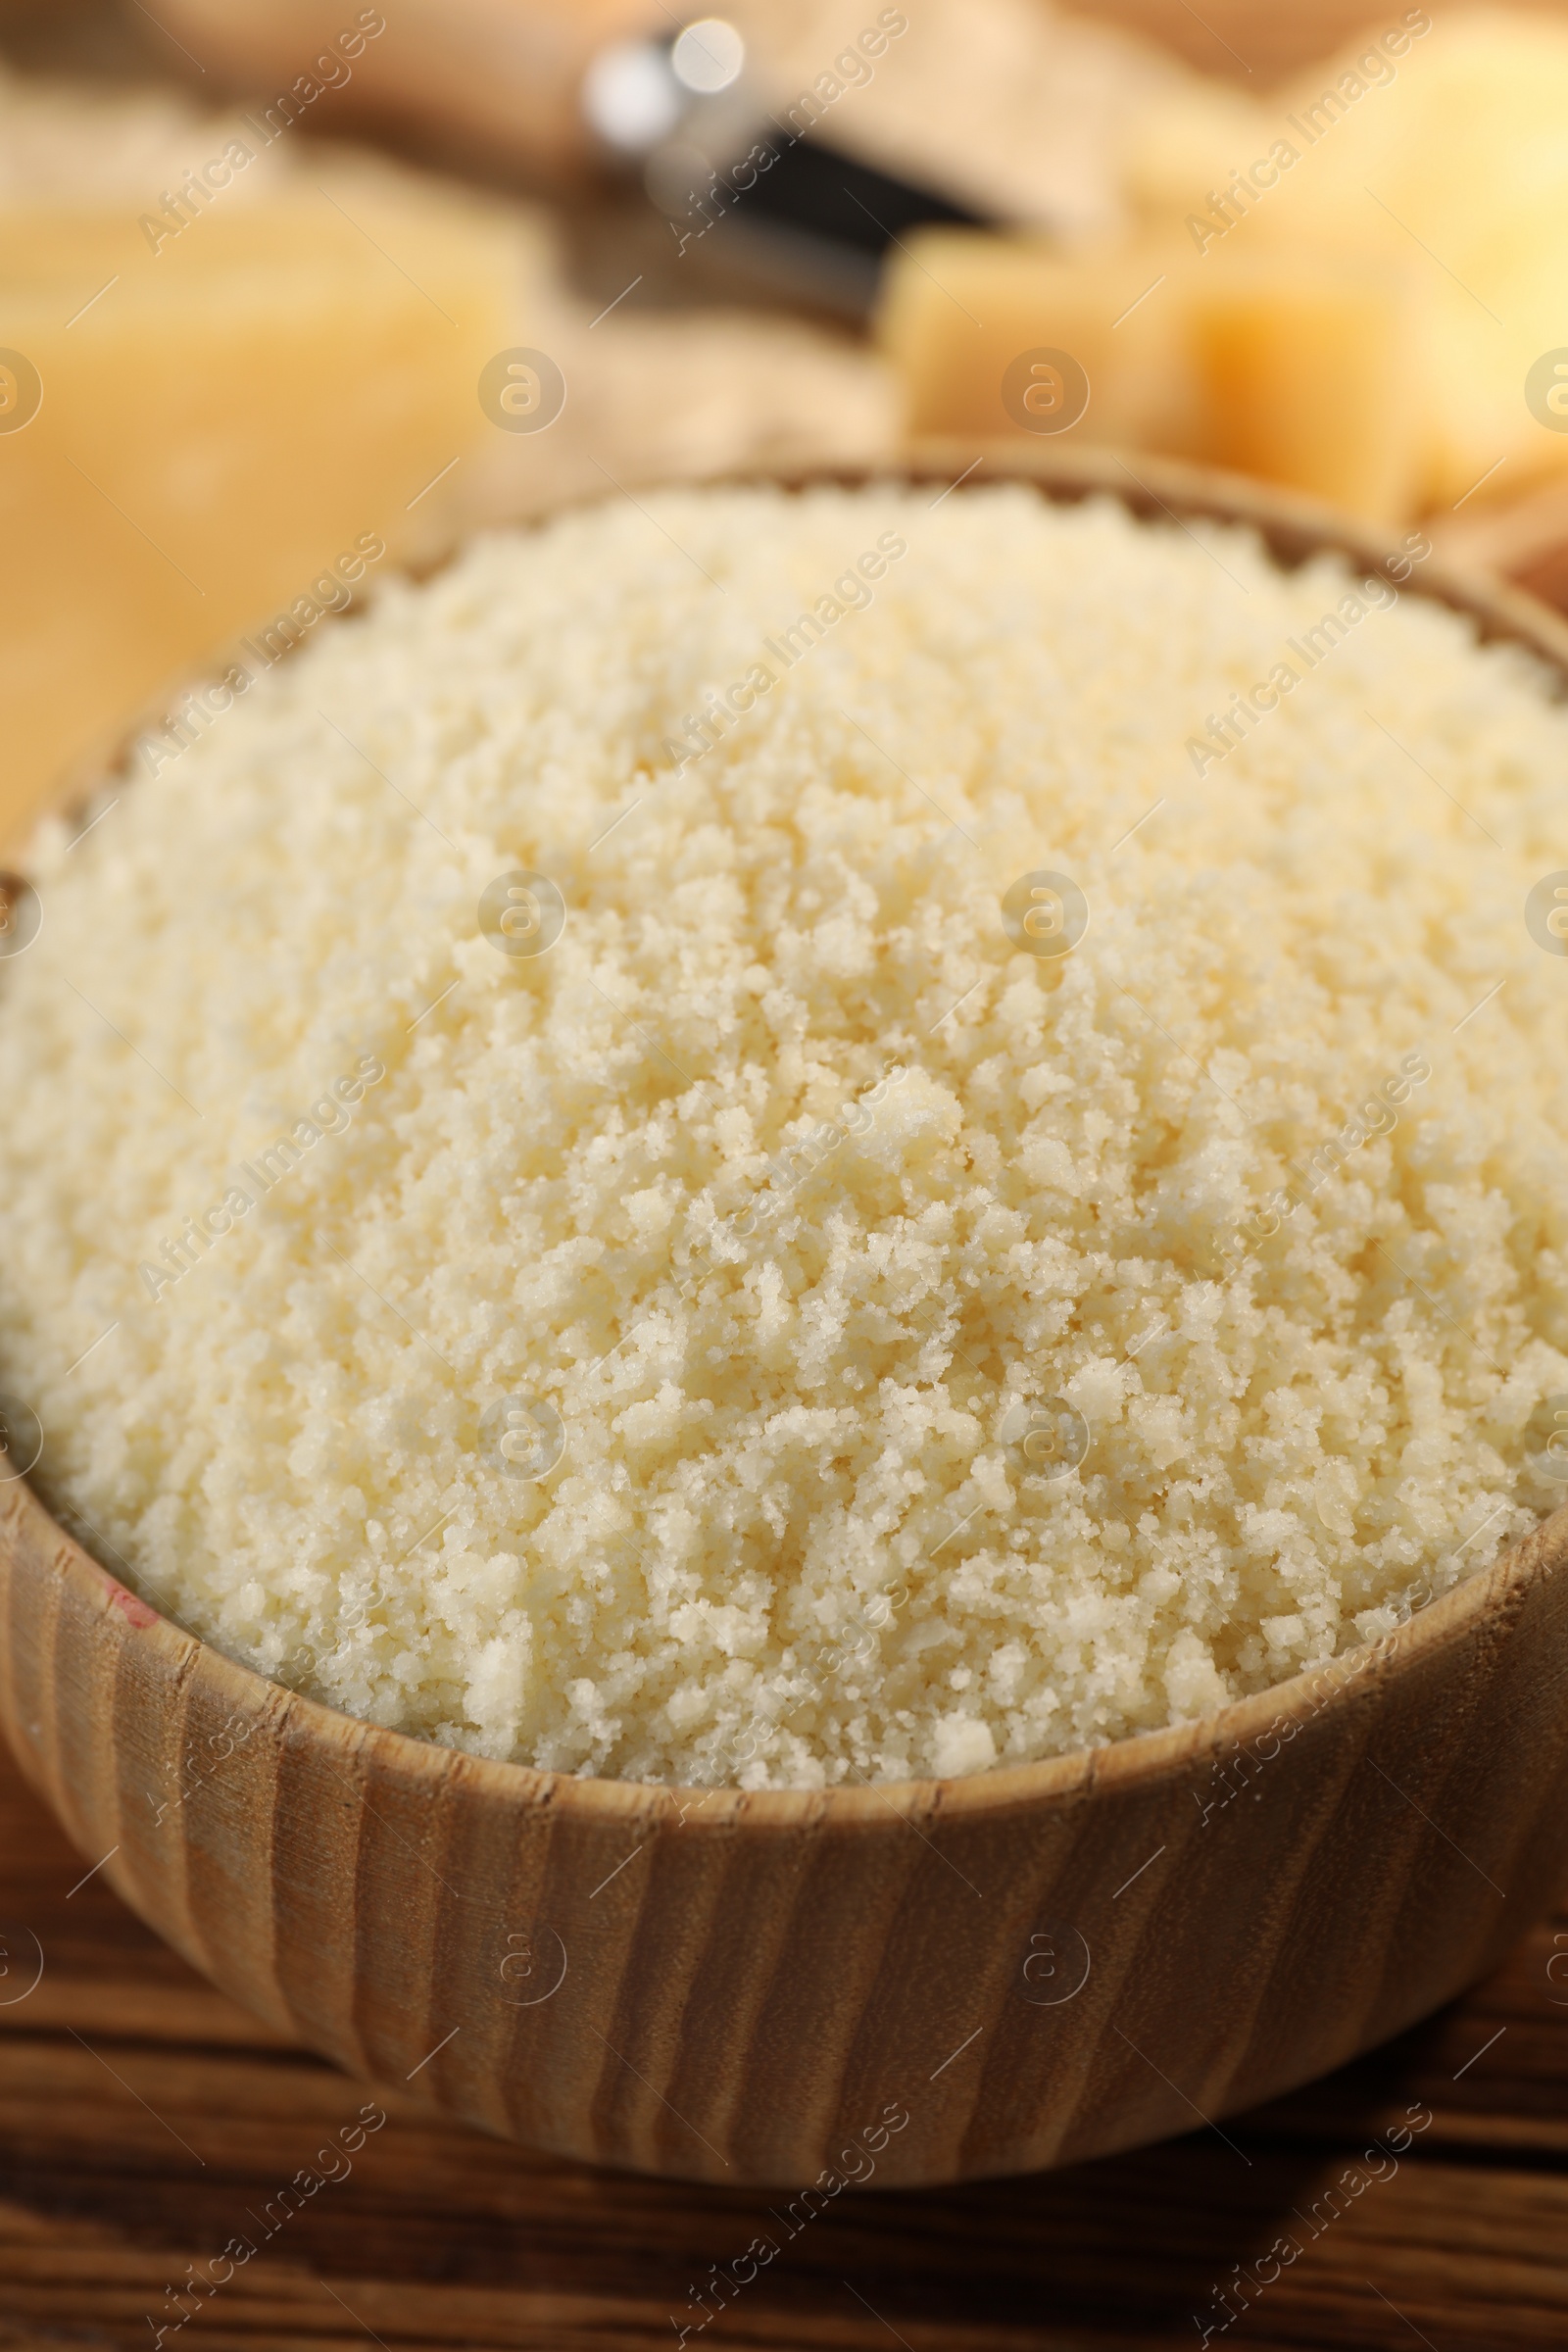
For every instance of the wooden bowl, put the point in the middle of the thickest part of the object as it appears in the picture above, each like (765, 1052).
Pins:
(917, 1983)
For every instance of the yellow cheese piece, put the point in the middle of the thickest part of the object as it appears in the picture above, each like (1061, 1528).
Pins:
(960, 310)
(1294, 368)
(1305, 373)
(223, 410)
(1437, 144)
(1365, 269)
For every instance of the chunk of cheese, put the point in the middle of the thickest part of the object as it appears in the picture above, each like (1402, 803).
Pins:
(1364, 270)
(959, 309)
(1305, 374)
(225, 407)
(1298, 368)
(1439, 147)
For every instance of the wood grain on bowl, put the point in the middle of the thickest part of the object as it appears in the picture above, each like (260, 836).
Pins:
(975, 1977)
(945, 1979)
(145, 2123)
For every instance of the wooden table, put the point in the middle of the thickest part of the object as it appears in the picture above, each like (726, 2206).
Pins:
(145, 2123)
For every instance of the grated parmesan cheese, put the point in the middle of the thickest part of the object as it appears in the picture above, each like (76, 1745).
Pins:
(548, 1200)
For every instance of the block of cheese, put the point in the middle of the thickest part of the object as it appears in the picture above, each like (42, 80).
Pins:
(230, 394)
(961, 310)
(1295, 367)
(1365, 269)
(1436, 144)
(1306, 374)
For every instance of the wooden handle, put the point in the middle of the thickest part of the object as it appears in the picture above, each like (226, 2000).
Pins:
(503, 72)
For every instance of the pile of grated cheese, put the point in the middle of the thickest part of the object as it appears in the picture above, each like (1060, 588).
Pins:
(788, 1329)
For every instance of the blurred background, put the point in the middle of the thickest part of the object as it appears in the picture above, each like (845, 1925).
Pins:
(291, 292)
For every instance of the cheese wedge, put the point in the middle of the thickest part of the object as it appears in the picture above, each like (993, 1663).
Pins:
(227, 405)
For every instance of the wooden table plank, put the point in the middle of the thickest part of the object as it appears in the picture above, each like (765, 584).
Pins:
(145, 2121)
